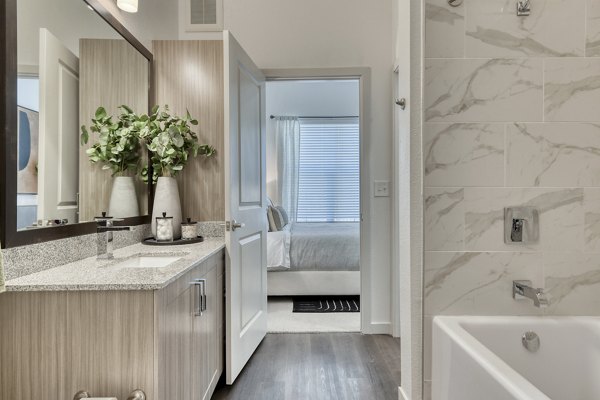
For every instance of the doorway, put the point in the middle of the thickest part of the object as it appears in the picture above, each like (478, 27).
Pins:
(315, 167)
(325, 356)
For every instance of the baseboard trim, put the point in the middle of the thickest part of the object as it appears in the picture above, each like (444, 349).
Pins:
(378, 328)
(401, 394)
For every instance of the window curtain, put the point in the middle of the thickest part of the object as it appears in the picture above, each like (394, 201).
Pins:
(288, 162)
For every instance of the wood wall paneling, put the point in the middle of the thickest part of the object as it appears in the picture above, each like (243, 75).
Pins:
(112, 73)
(188, 75)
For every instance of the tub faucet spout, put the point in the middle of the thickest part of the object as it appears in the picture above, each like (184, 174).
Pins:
(525, 289)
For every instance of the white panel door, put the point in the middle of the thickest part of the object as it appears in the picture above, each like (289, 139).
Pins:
(58, 168)
(245, 196)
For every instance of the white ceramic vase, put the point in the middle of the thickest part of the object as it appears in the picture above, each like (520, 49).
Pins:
(123, 199)
(166, 200)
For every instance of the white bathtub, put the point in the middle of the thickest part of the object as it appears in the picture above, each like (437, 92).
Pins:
(482, 358)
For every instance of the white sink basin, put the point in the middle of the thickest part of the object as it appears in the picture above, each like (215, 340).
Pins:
(148, 261)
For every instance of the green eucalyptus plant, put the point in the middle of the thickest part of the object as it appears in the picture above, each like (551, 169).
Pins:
(118, 146)
(171, 142)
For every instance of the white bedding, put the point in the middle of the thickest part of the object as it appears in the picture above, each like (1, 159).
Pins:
(315, 247)
(278, 248)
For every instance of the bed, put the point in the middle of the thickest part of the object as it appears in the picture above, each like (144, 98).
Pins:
(314, 259)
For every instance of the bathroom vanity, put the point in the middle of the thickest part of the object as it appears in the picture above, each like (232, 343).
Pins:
(149, 319)
(144, 320)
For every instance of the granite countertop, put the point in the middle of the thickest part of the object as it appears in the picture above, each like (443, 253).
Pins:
(92, 274)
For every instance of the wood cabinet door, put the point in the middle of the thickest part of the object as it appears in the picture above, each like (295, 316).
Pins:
(192, 345)
(204, 357)
(178, 380)
(220, 317)
(212, 290)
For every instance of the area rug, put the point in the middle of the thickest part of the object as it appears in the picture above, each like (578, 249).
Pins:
(282, 319)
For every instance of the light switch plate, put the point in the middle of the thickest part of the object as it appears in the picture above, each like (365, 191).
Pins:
(382, 189)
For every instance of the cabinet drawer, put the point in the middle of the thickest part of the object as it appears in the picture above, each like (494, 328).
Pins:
(174, 289)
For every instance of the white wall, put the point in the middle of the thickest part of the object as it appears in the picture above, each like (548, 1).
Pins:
(155, 19)
(305, 98)
(68, 20)
(334, 33)
(320, 98)
(28, 93)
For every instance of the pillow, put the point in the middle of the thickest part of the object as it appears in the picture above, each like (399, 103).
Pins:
(271, 204)
(284, 214)
(271, 220)
(278, 222)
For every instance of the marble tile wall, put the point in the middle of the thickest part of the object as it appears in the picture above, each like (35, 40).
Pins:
(511, 117)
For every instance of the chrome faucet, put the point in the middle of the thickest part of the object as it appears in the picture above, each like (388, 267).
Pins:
(524, 289)
(105, 239)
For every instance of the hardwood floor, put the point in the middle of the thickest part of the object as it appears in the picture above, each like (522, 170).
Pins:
(323, 366)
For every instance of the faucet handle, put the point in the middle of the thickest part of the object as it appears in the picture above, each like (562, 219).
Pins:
(519, 287)
(107, 221)
(103, 217)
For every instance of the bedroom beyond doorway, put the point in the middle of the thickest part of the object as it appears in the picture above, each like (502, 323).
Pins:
(313, 185)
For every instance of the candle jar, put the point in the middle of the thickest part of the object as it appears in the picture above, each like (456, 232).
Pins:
(189, 230)
(164, 228)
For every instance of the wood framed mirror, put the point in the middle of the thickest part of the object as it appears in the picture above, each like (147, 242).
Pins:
(59, 62)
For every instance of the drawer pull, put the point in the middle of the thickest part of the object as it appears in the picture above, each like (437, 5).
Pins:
(199, 296)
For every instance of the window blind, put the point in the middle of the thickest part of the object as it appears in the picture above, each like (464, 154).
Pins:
(329, 170)
(203, 12)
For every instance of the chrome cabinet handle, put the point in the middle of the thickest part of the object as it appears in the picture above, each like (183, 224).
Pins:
(203, 297)
(199, 296)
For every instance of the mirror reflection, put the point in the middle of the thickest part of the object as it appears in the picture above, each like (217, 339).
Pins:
(71, 63)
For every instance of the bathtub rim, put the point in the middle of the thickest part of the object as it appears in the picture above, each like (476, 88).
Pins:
(516, 384)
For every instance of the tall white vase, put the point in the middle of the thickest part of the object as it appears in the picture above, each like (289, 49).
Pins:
(166, 199)
(123, 199)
